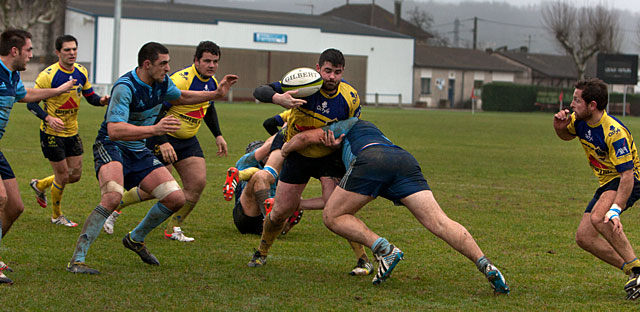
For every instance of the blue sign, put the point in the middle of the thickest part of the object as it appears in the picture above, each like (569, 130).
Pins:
(268, 37)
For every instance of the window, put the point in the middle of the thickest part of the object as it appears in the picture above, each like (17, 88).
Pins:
(425, 84)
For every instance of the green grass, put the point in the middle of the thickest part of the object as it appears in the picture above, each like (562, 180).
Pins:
(505, 176)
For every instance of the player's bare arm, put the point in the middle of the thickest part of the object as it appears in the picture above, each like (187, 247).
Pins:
(287, 100)
(123, 131)
(36, 95)
(302, 140)
(560, 122)
(55, 123)
(193, 97)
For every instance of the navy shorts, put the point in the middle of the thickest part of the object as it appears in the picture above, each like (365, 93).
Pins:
(244, 223)
(390, 172)
(298, 169)
(613, 186)
(5, 169)
(57, 148)
(184, 148)
(136, 165)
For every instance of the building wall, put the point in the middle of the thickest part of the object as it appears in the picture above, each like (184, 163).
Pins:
(389, 61)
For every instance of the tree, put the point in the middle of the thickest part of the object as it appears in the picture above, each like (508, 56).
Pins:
(24, 14)
(423, 20)
(582, 32)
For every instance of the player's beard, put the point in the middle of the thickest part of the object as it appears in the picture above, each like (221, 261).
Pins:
(330, 88)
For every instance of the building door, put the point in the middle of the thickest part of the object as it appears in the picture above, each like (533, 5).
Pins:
(451, 93)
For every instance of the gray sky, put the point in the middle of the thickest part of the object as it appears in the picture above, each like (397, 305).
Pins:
(623, 5)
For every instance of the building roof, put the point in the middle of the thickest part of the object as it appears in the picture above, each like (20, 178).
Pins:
(374, 15)
(554, 66)
(458, 58)
(213, 15)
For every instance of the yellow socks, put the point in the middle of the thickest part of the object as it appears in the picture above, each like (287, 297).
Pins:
(56, 196)
(245, 175)
(179, 216)
(358, 250)
(45, 183)
(130, 197)
(628, 266)
(270, 232)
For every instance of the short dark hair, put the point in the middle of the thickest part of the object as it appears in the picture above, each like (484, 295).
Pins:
(150, 51)
(206, 46)
(13, 38)
(593, 89)
(332, 56)
(64, 38)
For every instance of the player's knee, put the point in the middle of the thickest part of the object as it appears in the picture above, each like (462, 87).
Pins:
(111, 194)
(174, 201)
(582, 240)
(328, 218)
(169, 194)
(597, 220)
(3, 200)
(74, 175)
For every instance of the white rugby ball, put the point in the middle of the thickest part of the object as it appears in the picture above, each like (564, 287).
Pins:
(306, 80)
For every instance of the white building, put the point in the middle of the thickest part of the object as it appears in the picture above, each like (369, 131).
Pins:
(259, 46)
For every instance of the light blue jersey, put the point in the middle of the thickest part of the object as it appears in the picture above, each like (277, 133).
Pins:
(11, 91)
(137, 103)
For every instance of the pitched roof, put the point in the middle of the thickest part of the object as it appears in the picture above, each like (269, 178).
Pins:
(458, 58)
(213, 15)
(362, 13)
(556, 66)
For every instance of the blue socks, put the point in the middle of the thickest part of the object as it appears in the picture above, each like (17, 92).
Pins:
(90, 231)
(381, 246)
(156, 215)
(482, 263)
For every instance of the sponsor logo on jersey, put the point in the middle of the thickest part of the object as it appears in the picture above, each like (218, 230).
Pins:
(323, 108)
(613, 131)
(621, 147)
(69, 104)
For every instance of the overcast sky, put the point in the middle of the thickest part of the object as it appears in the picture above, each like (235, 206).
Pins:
(624, 5)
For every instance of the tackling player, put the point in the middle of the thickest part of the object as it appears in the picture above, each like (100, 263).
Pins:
(613, 157)
(375, 166)
(59, 137)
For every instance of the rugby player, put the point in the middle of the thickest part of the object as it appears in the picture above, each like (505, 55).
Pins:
(15, 53)
(59, 138)
(375, 166)
(613, 157)
(122, 160)
(181, 149)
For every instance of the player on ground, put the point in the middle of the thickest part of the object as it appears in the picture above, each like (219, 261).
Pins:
(613, 157)
(375, 166)
(59, 137)
(181, 149)
(336, 100)
(15, 53)
(122, 159)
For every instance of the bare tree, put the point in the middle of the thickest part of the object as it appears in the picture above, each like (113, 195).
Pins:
(24, 14)
(582, 32)
(423, 20)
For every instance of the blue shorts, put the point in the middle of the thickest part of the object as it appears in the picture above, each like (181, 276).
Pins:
(135, 165)
(184, 148)
(5, 169)
(386, 171)
(613, 186)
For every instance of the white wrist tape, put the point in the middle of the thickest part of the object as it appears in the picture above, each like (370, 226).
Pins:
(614, 212)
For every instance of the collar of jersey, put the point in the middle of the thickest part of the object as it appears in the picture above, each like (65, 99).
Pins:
(195, 70)
(331, 96)
(604, 115)
(6, 68)
(62, 69)
(142, 83)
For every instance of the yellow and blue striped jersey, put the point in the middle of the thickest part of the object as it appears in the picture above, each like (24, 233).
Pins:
(319, 111)
(609, 147)
(64, 106)
(191, 115)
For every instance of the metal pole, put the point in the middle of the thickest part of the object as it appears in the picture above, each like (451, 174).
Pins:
(624, 101)
(115, 61)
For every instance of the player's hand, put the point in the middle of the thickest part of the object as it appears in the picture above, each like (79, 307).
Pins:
(104, 101)
(225, 84)
(66, 86)
(166, 125)
(616, 223)
(287, 100)
(329, 140)
(168, 153)
(55, 123)
(222, 146)
(562, 119)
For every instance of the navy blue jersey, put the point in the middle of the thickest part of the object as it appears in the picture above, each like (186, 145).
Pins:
(11, 91)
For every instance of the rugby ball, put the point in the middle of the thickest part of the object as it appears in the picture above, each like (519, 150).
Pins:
(306, 80)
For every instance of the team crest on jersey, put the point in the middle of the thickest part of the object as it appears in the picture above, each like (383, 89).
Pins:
(587, 136)
(621, 147)
(323, 108)
(613, 131)
(184, 75)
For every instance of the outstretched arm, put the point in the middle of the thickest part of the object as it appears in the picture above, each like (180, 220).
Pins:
(36, 94)
(193, 97)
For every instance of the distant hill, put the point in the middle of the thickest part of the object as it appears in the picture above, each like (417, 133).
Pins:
(500, 24)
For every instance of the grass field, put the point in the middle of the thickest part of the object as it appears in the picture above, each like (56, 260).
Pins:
(505, 176)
